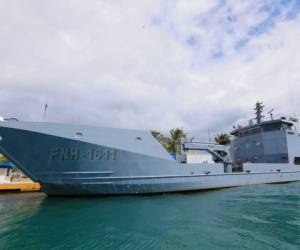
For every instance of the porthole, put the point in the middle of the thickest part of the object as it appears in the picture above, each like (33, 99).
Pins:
(139, 138)
(78, 135)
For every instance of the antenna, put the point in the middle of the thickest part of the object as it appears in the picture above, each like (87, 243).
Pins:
(45, 110)
(271, 113)
(291, 98)
(259, 107)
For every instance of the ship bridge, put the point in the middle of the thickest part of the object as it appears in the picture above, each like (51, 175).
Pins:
(263, 141)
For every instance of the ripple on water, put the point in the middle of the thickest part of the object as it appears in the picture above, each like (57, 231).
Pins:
(254, 217)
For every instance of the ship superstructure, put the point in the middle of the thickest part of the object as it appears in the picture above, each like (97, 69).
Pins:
(87, 160)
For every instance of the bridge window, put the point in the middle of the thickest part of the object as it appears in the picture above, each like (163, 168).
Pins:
(248, 132)
(272, 127)
(297, 161)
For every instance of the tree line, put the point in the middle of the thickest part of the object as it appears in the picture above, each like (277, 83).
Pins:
(3, 158)
(172, 142)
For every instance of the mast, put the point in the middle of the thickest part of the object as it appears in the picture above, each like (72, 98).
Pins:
(259, 107)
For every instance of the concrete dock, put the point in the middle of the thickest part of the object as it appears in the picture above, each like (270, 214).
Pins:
(20, 187)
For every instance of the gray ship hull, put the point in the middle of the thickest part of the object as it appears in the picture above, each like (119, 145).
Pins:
(86, 160)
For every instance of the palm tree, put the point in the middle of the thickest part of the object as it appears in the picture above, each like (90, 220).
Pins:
(161, 138)
(222, 139)
(173, 144)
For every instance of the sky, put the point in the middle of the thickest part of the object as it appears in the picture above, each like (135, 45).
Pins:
(197, 65)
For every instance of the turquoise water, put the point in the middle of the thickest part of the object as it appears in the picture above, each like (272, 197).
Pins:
(253, 217)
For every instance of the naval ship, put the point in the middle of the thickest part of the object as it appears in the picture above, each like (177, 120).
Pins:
(87, 160)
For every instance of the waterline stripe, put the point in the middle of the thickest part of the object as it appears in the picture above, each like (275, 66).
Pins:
(175, 176)
(93, 183)
(97, 172)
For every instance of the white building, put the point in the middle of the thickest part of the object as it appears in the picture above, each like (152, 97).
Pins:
(197, 156)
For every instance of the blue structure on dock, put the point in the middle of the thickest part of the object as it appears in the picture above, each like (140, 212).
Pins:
(6, 165)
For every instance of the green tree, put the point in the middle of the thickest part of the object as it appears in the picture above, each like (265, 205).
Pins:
(173, 144)
(161, 138)
(3, 158)
(222, 139)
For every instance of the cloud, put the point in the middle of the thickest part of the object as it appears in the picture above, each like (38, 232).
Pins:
(149, 64)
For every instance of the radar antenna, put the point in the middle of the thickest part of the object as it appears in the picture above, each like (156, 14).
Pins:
(259, 107)
(271, 113)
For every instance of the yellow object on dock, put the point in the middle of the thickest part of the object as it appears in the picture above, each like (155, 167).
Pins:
(20, 186)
